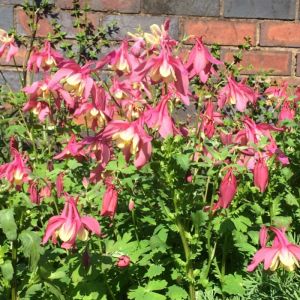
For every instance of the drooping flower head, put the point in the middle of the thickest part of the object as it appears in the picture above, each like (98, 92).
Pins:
(123, 261)
(73, 149)
(16, 171)
(110, 201)
(287, 111)
(75, 81)
(236, 93)
(261, 174)
(200, 61)
(159, 118)
(227, 190)
(282, 253)
(165, 68)
(132, 138)
(70, 225)
(8, 43)
(44, 59)
(277, 94)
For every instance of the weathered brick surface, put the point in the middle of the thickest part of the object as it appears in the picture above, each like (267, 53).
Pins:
(66, 20)
(44, 26)
(124, 6)
(298, 65)
(221, 32)
(295, 81)
(12, 79)
(13, 2)
(280, 34)
(260, 9)
(129, 23)
(131, 14)
(180, 7)
(6, 16)
(278, 61)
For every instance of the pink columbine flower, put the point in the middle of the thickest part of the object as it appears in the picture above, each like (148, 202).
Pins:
(59, 183)
(287, 111)
(70, 225)
(89, 115)
(44, 59)
(39, 108)
(159, 118)
(132, 139)
(207, 125)
(158, 35)
(123, 261)
(226, 138)
(227, 190)
(282, 253)
(131, 205)
(73, 149)
(200, 61)
(260, 174)
(236, 93)
(39, 94)
(33, 192)
(75, 82)
(8, 42)
(167, 68)
(277, 93)
(110, 201)
(16, 171)
(122, 61)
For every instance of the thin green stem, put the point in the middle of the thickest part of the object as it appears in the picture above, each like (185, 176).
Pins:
(14, 294)
(224, 254)
(29, 134)
(210, 249)
(186, 248)
(104, 275)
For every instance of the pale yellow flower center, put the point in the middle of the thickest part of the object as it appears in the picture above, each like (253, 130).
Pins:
(127, 138)
(18, 176)
(74, 84)
(284, 259)
(66, 231)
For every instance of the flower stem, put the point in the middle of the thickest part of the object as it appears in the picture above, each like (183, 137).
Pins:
(14, 264)
(109, 290)
(187, 250)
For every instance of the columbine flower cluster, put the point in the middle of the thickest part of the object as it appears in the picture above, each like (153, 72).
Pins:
(132, 107)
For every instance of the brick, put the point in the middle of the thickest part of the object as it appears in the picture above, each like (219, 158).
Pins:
(291, 80)
(298, 65)
(124, 6)
(263, 60)
(221, 32)
(6, 17)
(66, 20)
(44, 25)
(19, 58)
(129, 23)
(280, 34)
(12, 2)
(260, 9)
(63, 17)
(12, 78)
(179, 7)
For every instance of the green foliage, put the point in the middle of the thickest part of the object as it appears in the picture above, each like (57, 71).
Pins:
(8, 224)
(31, 246)
(178, 244)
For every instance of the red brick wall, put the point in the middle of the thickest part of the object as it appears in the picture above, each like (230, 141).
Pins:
(273, 26)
